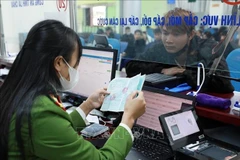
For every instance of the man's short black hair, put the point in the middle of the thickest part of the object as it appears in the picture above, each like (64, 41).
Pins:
(138, 30)
(127, 27)
(157, 30)
(208, 34)
(108, 29)
(224, 33)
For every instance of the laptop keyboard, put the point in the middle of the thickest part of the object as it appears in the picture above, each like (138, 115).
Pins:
(152, 149)
(158, 77)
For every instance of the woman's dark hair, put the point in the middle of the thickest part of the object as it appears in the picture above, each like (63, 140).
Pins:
(33, 74)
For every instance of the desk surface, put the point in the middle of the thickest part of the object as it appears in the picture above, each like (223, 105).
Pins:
(225, 116)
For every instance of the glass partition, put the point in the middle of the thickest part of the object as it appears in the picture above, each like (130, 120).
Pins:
(150, 36)
(155, 36)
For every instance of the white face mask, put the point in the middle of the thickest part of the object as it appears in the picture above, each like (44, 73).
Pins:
(73, 76)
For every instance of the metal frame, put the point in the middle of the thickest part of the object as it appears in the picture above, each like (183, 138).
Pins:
(2, 44)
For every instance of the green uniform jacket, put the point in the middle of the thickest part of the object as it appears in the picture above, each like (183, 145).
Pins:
(54, 136)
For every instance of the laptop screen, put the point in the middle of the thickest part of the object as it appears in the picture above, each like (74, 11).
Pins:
(184, 134)
(181, 128)
(181, 125)
(160, 102)
(96, 69)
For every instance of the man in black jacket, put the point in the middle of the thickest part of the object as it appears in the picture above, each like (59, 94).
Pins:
(181, 49)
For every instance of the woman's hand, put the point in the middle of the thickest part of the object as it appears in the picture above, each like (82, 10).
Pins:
(94, 101)
(135, 107)
(235, 157)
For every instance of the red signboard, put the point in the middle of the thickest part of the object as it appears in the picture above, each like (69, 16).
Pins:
(231, 3)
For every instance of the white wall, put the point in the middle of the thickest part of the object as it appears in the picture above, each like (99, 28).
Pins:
(219, 8)
(19, 18)
(132, 8)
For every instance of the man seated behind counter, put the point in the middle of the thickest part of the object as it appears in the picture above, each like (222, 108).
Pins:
(180, 47)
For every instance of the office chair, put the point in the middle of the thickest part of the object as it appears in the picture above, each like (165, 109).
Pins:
(211, 30)
(123, 46)
(115, 44)
(150, 32)
(91, 38)
(117, 36)
(82, 41)
(233, 61)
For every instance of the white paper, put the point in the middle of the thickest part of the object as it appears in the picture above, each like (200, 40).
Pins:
(120, 89)
(92, 119)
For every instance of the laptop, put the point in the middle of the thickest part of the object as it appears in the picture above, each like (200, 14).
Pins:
(185, 136)
(161, 80)
(156, 78)
(150, 142)
(96, 69)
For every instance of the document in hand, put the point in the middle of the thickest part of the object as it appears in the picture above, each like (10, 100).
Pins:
(119, 89)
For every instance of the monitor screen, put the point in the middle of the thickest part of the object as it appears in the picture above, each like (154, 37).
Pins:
(182, 128)
(96, 69)
(161, 102)
(181, 125)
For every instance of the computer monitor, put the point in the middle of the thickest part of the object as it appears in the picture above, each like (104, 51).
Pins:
(96, 69)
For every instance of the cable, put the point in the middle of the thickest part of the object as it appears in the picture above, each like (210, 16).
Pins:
(203, 80)
(198, 80)
(101, 120)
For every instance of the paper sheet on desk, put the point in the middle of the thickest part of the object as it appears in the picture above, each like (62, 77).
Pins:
(120, 89)
(92, 119)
